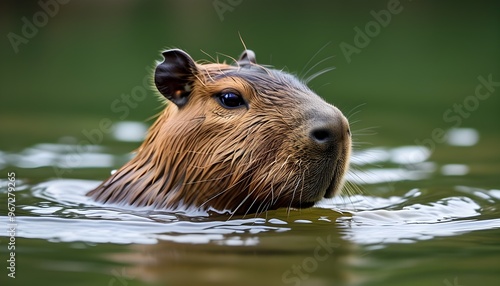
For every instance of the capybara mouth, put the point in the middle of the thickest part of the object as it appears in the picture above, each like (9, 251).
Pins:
(336, 182)
(234, 138)
(325, 193)
(332, 188)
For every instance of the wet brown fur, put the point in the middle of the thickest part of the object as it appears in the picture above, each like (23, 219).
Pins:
(249, 159)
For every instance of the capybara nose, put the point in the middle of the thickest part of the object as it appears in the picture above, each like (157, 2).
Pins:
(329, 131)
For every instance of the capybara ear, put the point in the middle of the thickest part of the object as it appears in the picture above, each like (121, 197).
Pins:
(174, 77)
(247, 57)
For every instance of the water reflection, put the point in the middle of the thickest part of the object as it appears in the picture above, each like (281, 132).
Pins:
(410, 163)
(71, 154)
(60, 155)
(129, 131)
(409, 154)
(364, 219)
(403, 155)
(454, 170)
(377, 176)
(462, 137)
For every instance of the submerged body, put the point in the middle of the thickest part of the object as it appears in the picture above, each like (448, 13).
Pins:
(238, 138)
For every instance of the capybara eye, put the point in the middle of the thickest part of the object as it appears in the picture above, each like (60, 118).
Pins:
(230, 100)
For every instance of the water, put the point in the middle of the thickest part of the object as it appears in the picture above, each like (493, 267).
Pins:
(424, 197)
(405, 227)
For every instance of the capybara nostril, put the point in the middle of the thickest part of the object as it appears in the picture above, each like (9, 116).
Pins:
(322, 135)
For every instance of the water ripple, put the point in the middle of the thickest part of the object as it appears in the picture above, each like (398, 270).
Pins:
(58, 210)
(64, 213)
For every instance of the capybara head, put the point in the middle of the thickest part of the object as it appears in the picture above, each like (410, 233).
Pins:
(238, 138)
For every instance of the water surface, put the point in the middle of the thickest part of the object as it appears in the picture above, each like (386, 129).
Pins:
(404, 218)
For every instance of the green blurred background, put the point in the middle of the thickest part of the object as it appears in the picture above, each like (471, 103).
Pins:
(64, 78)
